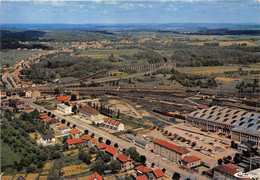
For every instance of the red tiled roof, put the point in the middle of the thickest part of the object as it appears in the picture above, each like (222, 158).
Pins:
(231, 166)
(158, 173)
(75, 131)
(226, 169)
(89, 110)
(143, 177)
(63, 98)
(191, 158)
(74, 141)
(62, 127)
(102, 146)
(95, 176)
(171, 146)
(94, 140)
(111, 150)
(123, 158)
(3, 93)
(86, 137)
(143, 168)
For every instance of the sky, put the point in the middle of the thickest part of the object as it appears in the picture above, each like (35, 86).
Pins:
(134, 11)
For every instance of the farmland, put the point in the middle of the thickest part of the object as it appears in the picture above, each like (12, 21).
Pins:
(224, 43)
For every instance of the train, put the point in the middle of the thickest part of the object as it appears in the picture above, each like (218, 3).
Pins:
(171, 114)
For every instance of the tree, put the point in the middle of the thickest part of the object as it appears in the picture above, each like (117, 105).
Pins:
(86, 131)
(100, 139)
(53, 116)
(229, 157)
(74, 126)
(115, 165)
(68, 123)
(49, 114)
(73, 97)
(152, 165)
(193, 144)
(99, 166)
(92, 150)
(118, 114)
(163, 170)
(142, 159)
(176, 176)
(56, 91)
(108, 142)
(220, 161)
(63, 121)
(133, 154)
(116, 145)
(85, 157)
(92, 135)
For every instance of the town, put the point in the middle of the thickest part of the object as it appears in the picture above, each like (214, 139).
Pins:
(118, 90)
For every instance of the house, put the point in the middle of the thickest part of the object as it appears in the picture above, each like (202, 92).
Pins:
(139, 142)
(74, 142)
(46, 139)
(143, 170)
(34, 94)
(143, 177)
(89, 113)
(3, 94)
(60, 100)
(112, 151)
(75, 133)
(158, 173)
(95, 176)
(63, 129)
(170, 151)
(126, 162)
(101, 146)
(190, 161)
(115, 125)
(53, 122)
(226, 172)
(64, 108)
(93, 142)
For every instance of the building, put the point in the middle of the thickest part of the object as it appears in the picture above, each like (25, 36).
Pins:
(254, 174)
(3, 94)
(240, 124)
(115, 125)
(170, 151)
(34, 94)
(112, 151)
(64, 108)
(89, 113)
(126, 162)
(244, 146)
(101, 146)
(93, 142)
(63, 129)
(74, 142)
(95, 176)
(75, 133)
(142, 177)
(191, 161)
(139, 142)
(158, 173)
(226, 172)
(144, 171)
(46, 139)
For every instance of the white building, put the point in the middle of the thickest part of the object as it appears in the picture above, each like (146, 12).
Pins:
(64, 108)
(46, 139)
(63, 129)
(34, 94)
(115, 125)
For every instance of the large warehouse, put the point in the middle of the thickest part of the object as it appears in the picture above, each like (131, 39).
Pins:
(242, 125)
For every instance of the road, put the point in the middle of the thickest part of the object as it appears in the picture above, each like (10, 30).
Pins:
(150, 157)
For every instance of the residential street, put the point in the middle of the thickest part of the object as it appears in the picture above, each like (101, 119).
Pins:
(151, 157)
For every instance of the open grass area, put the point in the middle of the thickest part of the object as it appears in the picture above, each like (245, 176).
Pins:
(217, 69)
(74, 169)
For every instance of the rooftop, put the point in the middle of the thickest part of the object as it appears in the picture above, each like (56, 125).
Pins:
(111, 150)
(190, 159)
(74, 141)
(89, 110)
(143, 168)
(171, 146)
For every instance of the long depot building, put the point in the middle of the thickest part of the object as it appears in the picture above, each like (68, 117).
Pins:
(240, 124)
